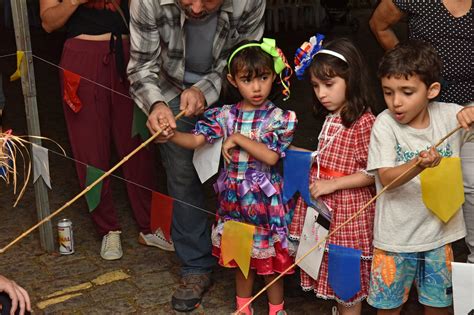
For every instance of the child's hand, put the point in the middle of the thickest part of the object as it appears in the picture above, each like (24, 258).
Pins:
(166, 130)
(466, 117)
(322, 187)
(227, 147)
(430, 158)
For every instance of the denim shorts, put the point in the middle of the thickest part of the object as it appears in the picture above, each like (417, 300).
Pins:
(393, 274)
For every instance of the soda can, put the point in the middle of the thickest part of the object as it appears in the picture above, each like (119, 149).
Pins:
(65, 235)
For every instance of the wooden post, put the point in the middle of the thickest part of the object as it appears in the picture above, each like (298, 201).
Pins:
(23, 43)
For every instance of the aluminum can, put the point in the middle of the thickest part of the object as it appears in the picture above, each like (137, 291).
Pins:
(65, 237)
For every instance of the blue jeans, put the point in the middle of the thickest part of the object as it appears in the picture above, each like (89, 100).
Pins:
(190, 229)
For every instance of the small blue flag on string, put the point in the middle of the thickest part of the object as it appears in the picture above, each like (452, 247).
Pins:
(296, 168)
(344, 271)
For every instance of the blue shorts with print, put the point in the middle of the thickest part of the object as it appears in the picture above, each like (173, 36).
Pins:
(393, 274)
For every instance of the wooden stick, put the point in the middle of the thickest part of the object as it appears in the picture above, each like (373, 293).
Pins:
(343, 224)
(82, 193)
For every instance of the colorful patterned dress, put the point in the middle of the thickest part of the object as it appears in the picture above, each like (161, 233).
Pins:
(345, 155)
(244, 193)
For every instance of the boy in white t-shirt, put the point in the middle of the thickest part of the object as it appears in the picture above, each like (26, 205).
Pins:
(411, 243)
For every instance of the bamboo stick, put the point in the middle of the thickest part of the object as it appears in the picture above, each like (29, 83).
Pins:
(83, 192)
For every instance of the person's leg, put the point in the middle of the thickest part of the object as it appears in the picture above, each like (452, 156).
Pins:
(395, 311)
(89, 129)
(275, 294)
(190, 230)
(433, 281)
(349, 310)
(243, 290)
(467, 159)
(140, 169)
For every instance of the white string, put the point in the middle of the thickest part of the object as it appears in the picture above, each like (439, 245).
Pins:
(98, 84)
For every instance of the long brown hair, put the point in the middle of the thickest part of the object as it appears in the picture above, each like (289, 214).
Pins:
(359, 96)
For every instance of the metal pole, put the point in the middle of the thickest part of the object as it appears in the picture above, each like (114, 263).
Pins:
(23, 43)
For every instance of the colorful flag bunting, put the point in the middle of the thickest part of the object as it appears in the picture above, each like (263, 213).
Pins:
(19, 58)
(139, 124)
(161, 214)
(93, 195)
(40, 164)
(442, 188)
(344, 271)
(71, 84)
(237, 243)
(296, 169)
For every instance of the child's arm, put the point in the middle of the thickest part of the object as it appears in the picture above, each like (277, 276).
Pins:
(325, 187)
(256, 149)
(187, 140)
(430, 158)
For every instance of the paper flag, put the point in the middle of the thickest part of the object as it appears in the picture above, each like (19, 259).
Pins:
(463, 288)
(442, 188)
(40, 164)
(71, 84)
(296, 169)
(344, 271)
(237, 243)
(139, 124)
(93, 195)
(315, 229)
(206, 159)
(161, 214)
(19, 58)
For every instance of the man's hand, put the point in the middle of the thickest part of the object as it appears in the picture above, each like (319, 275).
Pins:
(17, 294)
(192, 101)
(161, 114)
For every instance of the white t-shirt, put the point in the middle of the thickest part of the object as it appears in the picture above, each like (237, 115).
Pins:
(402, 221)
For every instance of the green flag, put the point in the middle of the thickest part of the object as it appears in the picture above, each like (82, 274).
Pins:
(139, 124)
(93, 195)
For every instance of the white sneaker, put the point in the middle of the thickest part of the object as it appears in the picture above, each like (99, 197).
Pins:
(111, 246)
(156, 239)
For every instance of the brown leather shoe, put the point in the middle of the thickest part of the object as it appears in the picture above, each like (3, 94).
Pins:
(189, 294)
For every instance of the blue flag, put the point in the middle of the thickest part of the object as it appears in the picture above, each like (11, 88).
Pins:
(296, 167)
(344, 271)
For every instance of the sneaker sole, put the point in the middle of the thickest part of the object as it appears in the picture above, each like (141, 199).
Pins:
(143, 242)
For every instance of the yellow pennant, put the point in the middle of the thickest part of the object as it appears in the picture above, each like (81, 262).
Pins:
(237, 243)
(19, 58)
(442, 188)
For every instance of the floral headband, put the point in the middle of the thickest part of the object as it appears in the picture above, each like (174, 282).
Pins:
(305, 53)
(281, 65)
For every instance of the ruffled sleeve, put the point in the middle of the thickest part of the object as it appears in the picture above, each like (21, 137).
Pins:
(280, 131)
(211, 126)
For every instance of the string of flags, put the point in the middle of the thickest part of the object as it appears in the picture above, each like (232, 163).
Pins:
(442, 192)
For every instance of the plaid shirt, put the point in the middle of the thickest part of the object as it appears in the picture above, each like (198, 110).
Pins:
(157, 52)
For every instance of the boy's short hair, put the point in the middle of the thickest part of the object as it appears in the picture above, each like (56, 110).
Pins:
(410, 58)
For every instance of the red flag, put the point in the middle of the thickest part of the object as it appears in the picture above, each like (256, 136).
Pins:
(161, 214)
(71, 83)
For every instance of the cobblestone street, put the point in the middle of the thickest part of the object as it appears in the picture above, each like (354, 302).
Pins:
(145, 278)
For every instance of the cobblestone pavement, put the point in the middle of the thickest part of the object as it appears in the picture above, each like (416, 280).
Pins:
(144, 279)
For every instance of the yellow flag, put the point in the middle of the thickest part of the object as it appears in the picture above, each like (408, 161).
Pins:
(19, 58)
(237, 243)
(442, 188)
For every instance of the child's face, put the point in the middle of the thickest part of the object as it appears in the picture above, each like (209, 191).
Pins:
(330, 93)
(408, 98)
(254, 90)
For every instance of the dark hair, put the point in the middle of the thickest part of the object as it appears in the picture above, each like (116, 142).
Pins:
(359, 96)
(410, 58)
(253, 60)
